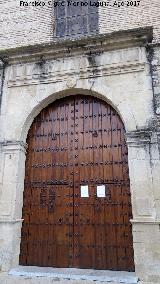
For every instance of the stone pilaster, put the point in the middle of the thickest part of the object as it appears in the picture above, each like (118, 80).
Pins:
(11, 200)
(143, 153)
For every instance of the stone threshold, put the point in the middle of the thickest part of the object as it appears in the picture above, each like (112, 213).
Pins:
(76, 274)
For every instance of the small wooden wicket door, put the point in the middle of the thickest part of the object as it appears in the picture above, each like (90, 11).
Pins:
(74, 142)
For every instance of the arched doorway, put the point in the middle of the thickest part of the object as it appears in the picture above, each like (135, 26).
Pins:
(77, 202)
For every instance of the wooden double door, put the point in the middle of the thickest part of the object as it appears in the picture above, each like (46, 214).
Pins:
(77, 202)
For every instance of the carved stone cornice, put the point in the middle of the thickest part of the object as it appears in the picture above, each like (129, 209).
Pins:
(10, 146)
(88, 45)
(88, 57)
(29, 75)
(138, 138)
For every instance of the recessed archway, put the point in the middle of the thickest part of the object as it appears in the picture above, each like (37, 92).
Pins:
(77, 202)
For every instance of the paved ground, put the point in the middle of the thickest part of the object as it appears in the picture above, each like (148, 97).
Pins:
(76, 274)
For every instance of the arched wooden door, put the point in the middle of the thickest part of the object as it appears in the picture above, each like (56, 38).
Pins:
(77, 202)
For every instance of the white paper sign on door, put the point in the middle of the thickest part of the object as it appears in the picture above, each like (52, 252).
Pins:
(84, 191)
(101, 191)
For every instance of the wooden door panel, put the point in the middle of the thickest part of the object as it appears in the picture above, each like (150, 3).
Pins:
(101, 160)
(77, 141)
(47, 190)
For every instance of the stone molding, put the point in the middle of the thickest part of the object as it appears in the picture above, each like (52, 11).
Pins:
(54, 77)
(5, 221)
(10, 146)
(44, 70)
(148, 221)
(85, 45)
(138, 138)
(33, 65)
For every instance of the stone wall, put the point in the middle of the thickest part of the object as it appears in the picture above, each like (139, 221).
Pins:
(24, 25)
(120, 76)
(31, 25)
(123, 18)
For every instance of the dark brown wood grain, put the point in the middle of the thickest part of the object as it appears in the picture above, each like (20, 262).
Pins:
(77, 141)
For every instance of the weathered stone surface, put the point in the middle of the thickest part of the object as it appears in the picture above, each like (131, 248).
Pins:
(69, 275)
(113, 69)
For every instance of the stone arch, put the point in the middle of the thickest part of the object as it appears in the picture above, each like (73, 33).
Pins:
(120, 105)
(49, 95)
